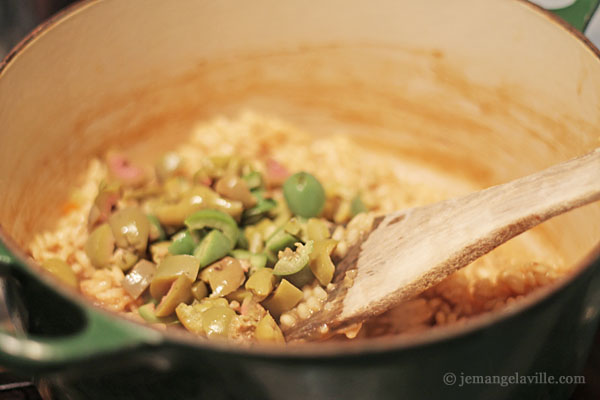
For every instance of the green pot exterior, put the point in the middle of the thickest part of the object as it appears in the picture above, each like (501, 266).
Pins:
(552, 337)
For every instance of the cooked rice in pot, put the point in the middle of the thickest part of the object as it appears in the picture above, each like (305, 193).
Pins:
(490, 283)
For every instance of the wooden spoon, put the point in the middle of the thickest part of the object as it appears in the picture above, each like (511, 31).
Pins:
(409, 251)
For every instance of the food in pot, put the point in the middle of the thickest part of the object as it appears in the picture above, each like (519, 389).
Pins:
(237, 233)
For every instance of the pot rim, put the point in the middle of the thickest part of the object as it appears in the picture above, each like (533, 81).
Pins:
(311, 350)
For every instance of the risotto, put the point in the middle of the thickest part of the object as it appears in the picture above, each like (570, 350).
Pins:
(236, 235)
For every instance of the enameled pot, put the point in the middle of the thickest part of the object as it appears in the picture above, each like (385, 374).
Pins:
(484, 90)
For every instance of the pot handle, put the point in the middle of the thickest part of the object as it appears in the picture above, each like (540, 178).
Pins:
(101, 335)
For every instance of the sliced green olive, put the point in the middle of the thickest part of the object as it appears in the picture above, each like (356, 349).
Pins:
(147, 312)
(105, 201)
(195, 199)
(280, 240)
(291, 262)
(100, 246)
(199, 290)
(214, 219)
(268, 331)
(125, 259)
(131, 229)
(301, 278)
(260, 210)
(138, 279)
(254, 238)
(257, 261)
(169, 270)
(213, 247)
(235, 188)
(180, 292)
(304, 195)
(159, 251)
(294, 227)
(285, 297)
(168, 165)
(191, 317)
(184, 242)
(225, 276)
(156, 233)
(253, 179)
(216, 321)
(61, 270)
(239, 295)
(357, 206)
(261, 283)
(320, 261)
(317, 229)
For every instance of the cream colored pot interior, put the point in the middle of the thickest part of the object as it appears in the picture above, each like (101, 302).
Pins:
(484, 90)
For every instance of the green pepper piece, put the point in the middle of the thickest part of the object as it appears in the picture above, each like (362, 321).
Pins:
(285, 297)
(184, 242)
(169, 270)
(320, 261)
(261, 283)
(280, 240)
(131, 229)
(157, 233)
(304, 195)
(260, 210)
(180, 292)
(357, 206)
(61, 270)
(147, 312)
(253, 179)
(268, 331)
(214, 219)
(213, 247)
(100, 245)
(291, 262)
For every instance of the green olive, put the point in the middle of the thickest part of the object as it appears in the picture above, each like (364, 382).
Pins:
(100, 246)
(193, 200)
(199, 290)
(138, 279)
(268, 331)
(261, 283)
(225, 276)
(235, 188)
(216, 321)
(169, 270)
(304, 195)
(131, 229)
(286, 296)
(167, 166)
(180, 292)
(61, 270)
